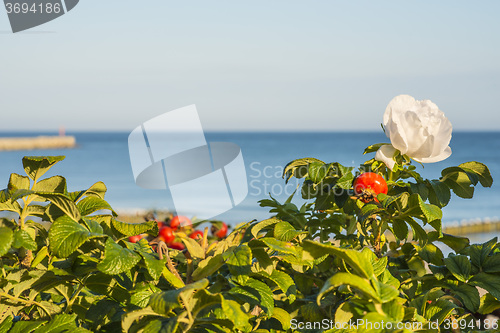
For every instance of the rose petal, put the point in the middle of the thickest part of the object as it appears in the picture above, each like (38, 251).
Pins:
(386, 154)
(444, 155)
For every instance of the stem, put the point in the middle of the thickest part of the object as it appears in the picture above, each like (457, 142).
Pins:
(20, 300)
(190, 268)
(170, 265)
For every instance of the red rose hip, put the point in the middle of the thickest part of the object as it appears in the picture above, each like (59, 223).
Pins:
(368, 185)
(197, 234)
(167, 235)
(219, 232)
(179, 221)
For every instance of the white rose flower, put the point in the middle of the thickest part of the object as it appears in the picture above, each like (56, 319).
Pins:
(417, 129)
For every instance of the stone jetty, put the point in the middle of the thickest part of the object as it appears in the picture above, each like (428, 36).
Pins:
(39, 142)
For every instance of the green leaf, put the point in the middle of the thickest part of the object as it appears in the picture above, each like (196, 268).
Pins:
(284, 231)
(283, 317)
(165, 301)
(37, 166)
(239, 261)
(232, 311)
(194, 248)
(480, 170)
(492, 263)
(256, 293)
(385, 292)
(456, 243)
(26, 326)
(263, 224)
(359, 283)
(5, 324)
(459, 182)
(132, 229)
(317, 171)
(154, 265)
(207, 267)
(66, 236)
(23, 239)
(439, 193)
(469, 296)
(298, 168)
(130, 317)
(352, 257)
(117, 259)
(430, 212)
(459, 266)
(60, 323)
(55, 184)
(439, 310)
(280, 246)
(97, 190)
(400, 229)
(488, 304)
(62, 202)
(479, 252)
(90, 205)
(284, 282)
(345, 182)
(487, 281)
(18, 182)
(6, 238)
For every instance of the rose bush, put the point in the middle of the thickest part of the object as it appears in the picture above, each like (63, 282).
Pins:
(335, 260)
(417, 129)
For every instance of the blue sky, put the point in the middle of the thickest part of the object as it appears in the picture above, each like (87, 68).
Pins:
(254, 65)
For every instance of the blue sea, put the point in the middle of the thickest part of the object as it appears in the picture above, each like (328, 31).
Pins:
(104, 156)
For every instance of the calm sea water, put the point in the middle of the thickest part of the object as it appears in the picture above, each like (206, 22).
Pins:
(104, 157)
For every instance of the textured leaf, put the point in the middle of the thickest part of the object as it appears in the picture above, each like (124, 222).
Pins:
(154, 265)
(283, 317)
(488, 304)
(6, 238)
(23, 239)
(132, 229)
(232, 311)
(487, 281)
(18, 182)
(165, 301)
(90, 205)
(62, 202)
(60, 323)
(207, 267)
(66, 236)
(352, 257)
(36, 166)
(317, 171)
(469, 296)
(117, 259)
(363, 285)
(56, 184)
(194, 248)
(239, 261)
(298, 168)
(284, 282)
(263, 224)
(256, 293)
(285, 231)
(480, 170)
(26, 326)
(459, 266)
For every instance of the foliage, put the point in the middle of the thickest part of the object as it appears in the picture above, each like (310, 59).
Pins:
(334, 259)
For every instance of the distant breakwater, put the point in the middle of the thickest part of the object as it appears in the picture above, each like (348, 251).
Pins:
(39, 142)
(476, 226)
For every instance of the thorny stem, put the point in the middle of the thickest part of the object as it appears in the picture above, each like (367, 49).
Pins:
(163, 250)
